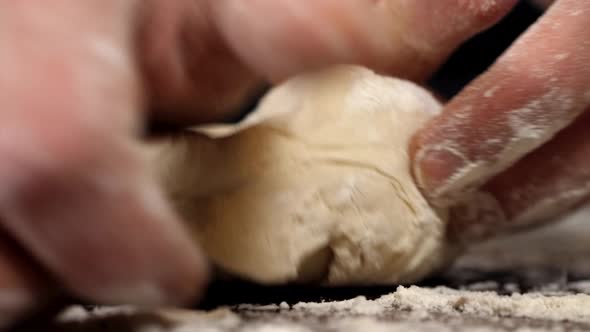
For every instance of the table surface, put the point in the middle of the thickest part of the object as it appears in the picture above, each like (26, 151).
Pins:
(482, 292)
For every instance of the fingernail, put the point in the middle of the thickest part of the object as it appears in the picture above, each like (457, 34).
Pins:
(436, 170)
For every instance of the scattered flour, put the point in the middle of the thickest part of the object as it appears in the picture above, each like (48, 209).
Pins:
(448, 301)
(357, 306)
(416, 308)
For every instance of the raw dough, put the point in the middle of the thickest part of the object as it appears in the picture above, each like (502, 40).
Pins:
(314, 186)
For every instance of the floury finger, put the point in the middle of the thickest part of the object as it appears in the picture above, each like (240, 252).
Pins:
(539, 87)
(551, 181)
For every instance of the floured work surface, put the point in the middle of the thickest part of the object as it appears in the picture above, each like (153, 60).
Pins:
(534, 282)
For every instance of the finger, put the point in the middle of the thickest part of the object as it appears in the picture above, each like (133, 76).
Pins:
(75, 191)
(191, 75)
(401, 37)
(536, 89)
(547, 183)
(23, 286)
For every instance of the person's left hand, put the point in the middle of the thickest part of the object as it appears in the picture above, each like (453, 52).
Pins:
(79, 77)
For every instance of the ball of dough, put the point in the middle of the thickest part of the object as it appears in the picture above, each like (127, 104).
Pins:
(314, 185)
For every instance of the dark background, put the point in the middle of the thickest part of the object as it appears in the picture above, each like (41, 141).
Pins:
(479, 53)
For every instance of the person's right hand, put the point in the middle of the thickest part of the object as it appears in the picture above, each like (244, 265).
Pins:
(512, 150)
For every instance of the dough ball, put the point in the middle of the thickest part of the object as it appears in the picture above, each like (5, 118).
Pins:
(313, 186)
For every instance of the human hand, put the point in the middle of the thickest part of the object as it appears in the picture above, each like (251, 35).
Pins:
(80, 77)
(512, 149)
